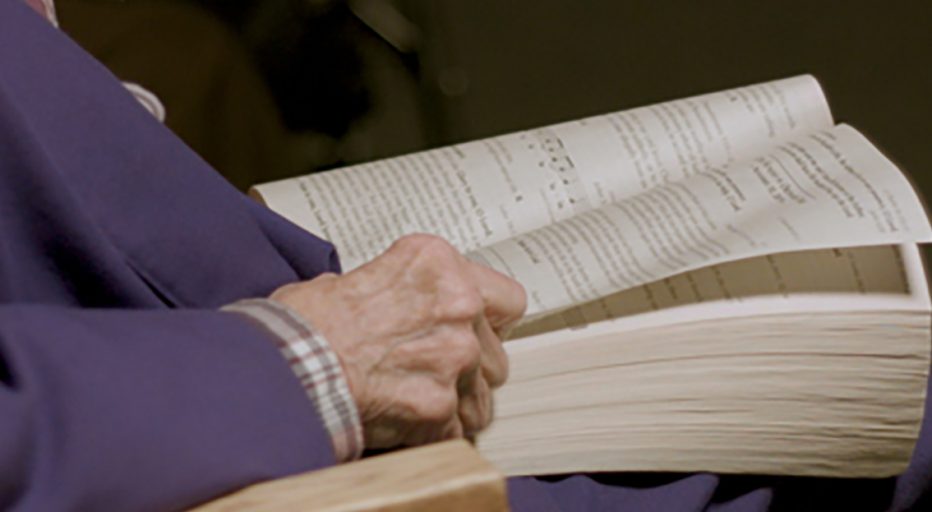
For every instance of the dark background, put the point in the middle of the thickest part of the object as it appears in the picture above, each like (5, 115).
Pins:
(353, 81)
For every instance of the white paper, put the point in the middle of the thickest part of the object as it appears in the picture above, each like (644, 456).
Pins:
(857, 278)
(482, 192)
(827, 189)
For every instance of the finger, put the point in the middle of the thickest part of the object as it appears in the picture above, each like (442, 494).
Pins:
(475, 404)
(428, 433)
(493, 360)
(443, 354)
(453, 430)
(504, 298)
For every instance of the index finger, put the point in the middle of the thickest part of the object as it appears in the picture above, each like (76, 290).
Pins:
(504, 298)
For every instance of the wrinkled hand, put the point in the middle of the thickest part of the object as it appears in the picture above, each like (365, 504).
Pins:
(418, 332)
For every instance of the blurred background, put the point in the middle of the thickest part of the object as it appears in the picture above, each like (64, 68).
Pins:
(266, 89)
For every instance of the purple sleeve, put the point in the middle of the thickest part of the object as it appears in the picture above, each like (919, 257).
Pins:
(316, 365)
(153, 410)
(124, 390)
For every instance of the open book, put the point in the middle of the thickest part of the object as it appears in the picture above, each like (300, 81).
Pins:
(726, 283)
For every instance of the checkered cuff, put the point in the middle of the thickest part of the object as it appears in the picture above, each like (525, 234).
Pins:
(316, 366)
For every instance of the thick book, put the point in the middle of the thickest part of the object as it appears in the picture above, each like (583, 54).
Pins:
(729, 282)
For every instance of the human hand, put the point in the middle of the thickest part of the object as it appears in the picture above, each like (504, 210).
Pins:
(418, 331)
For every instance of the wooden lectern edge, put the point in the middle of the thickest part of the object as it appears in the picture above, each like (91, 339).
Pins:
(449, 476)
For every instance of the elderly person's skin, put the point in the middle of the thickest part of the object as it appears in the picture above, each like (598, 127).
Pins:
(418, 331)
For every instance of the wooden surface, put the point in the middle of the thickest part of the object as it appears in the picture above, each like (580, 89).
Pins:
(449, 476)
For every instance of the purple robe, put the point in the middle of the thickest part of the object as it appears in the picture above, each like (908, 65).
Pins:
(121, 387)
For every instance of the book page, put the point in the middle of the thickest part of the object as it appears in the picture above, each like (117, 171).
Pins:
(482, 192)
(872, 274)
(832, 188)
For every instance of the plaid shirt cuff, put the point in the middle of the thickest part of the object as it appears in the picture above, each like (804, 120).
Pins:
(317, 368)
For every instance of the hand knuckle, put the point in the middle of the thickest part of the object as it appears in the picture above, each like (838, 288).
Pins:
(430, 246)
(463, 350)
(411, 240)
